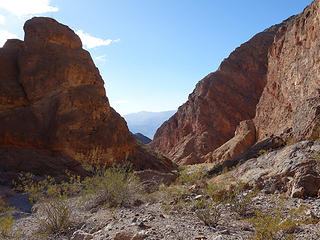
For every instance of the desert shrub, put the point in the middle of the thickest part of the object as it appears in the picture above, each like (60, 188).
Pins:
(6, 221)
(263, 152)
(53, 208)
(173, 197)
(290, 140)
(218, 193)
(111, 187)
(236, 196)
(190, 177)
(241, 200)
(272, 225)
(277, 223)
(209, 212)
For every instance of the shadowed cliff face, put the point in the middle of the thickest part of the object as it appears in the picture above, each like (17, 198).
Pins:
(218, 104)
(58, 98)
(52, 100)
(291, 97)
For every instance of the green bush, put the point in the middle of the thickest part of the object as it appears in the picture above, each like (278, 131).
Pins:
(112, 187)
(239, 200)
(53, 208)
(277, 223)
(190, 177)
(6, 221)
(209, 212)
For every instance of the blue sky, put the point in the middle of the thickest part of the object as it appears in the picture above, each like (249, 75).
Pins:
(151, 53)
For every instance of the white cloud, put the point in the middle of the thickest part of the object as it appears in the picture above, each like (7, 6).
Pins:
(102, 58)
(92, 42)
(5, 35)
(2, 19)
(27, 7)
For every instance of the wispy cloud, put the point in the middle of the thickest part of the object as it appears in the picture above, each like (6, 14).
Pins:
(102, 58)
(92, 42)
(2, 19)
(27, 7)
(4, 35)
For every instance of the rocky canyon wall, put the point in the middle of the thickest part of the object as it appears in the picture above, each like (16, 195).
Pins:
(291, 98)
(53, 106)
(272, 79)
(218, 104)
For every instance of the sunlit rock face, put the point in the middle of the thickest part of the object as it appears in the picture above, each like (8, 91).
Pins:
(291, 97)
(53, 104)
(272, 79)
(218, 104)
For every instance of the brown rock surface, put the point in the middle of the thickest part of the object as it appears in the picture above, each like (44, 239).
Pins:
(124, 235)
(245, 137)
(291, 170)
(218, 104)
(64, 105)
(293, 78)
(52, 100)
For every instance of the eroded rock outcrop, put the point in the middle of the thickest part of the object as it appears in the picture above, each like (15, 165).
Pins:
(281, 65)
(293, 169)
(53, 103)
(245, 137)
(218, 104)
(291, 97)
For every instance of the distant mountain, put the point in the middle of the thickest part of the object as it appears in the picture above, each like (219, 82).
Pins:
(147, 123)
(142, 138)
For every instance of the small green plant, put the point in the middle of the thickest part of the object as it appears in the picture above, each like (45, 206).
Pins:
(111, 187)
(290, 140)
(277, 223)
(209, 212)
(263, 152)
(236, 196)
(272, 226)
(241, 200)
(187, 177)
(218, 193)
(53, 208)
(6, 221)
(173, 197)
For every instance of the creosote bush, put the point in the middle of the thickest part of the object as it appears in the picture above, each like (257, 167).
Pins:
(190, 177)
(208, 211)
(277, 223)
(53, 208)
(236, 196)
(111, 187)
(6, 221)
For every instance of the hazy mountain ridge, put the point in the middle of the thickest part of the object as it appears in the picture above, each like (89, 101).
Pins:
(146, 122)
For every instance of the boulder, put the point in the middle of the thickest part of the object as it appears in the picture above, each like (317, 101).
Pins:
(81, 235)
(125, 235)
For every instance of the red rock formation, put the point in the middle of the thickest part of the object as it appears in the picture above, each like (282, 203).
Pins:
(244, 137)
(291, 97)
(52, 100)
(218, 104)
